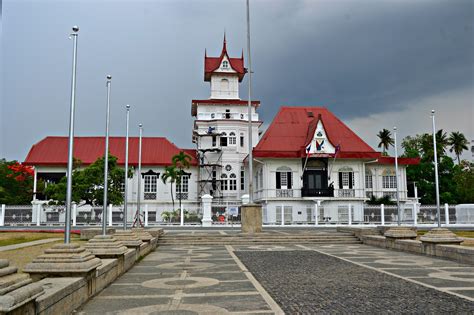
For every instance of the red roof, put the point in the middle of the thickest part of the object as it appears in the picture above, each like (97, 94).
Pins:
(293, 128)
(195, 103)
(211, 64)
(54, 150)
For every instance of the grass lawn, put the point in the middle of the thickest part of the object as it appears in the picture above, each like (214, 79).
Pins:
(11, 238)
(20, 257)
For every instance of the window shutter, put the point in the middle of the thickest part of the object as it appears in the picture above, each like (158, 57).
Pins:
(289, 180)
(340, 180)
(278, 182)
(350, 179)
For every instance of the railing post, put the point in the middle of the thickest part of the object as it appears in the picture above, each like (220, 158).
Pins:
(382, 214)
(110, 214)
(39, 208)
(316, 208)
(349, 213)
(415, 214)
(2, 216)
(282, 215)
(74, 213)
(446, 213)
(207, 210)
(146, 215)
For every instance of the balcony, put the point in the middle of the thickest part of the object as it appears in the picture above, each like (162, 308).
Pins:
(324, 192)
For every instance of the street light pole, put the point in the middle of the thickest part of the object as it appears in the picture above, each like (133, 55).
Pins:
(436, 168)
(125, 204)
(250, 146)
(396, 174)
(139, 173)
(67, 232)
(106, 157)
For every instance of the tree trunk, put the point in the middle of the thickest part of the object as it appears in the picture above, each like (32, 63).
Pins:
(172, 198)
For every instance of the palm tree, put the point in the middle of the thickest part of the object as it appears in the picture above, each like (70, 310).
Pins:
(170, 175)
(441, 141)
(386, 139)
(181, 161)
(458, 143)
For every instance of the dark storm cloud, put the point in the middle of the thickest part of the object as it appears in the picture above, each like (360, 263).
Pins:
(356, 57)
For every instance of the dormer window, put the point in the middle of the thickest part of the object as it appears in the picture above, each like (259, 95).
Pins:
(225, 64)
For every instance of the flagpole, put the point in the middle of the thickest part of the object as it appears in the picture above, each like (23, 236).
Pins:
(249, 108)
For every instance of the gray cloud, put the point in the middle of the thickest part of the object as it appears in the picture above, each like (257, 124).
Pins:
(355, 57)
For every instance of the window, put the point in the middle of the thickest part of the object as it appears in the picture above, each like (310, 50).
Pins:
(242, 140)
(368, 179)
(214, 141)
(232, 138)
(233, 182)
(225, 64)
(150, 182)
(213, 115)
(242, 178)
(214, 178)
(227, 114)
(389, 180)
(223, 139)
(224, 182)
(284, 178)
(261, 178)
(184, 184)
(346, 178)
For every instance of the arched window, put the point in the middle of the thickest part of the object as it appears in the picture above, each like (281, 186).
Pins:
(224, 182)
(223, 139)
(346, 178)
(232, 138)
(368, 179)
(233, 182)
(389, 179)
(225, 85)
(225, 64)
(284, 178)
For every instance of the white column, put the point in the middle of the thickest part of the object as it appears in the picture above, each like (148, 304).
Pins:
(74, 213)
(35, 179)
(382, 214)
(146, 215)
(282, 215)
(446, 213)
(349, 213)
(2, 216)
(206, 210)
(110, 214)
(181, 210)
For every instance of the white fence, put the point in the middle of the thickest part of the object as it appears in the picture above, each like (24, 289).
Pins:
(229, 213)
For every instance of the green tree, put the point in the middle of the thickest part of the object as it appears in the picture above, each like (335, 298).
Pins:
(458, 143)
(88, 184)
(464, 180)
(181, 162)
(170, 175)
(386, 140)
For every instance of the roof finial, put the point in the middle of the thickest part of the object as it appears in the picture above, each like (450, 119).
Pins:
(205, 52)
(224, 47)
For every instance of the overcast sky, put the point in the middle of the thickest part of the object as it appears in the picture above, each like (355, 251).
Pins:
(374, 63)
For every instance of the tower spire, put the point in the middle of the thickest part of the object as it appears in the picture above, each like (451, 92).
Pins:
(224, 46)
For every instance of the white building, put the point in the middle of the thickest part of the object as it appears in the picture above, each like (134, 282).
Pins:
(307, 160)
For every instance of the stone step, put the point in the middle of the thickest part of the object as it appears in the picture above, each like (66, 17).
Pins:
(243, 242)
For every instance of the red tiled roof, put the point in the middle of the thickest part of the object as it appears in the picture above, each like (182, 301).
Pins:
(404, 161)
(211, 64)
(195, 103)
(293, 128)
(54, 150)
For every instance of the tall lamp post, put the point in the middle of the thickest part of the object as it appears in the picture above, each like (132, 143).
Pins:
(67, 232)
(106, 157)
(436, 168)
(138, 220)
(250, 176)
(396, 174)
(125, 202)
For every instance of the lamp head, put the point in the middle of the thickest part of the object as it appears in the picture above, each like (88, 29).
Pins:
(127, 106)
(75, 28)
(394, 128)
(432, 112)
(140, 125)
(109, 77)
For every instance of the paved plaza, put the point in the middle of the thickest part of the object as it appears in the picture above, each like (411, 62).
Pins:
(289, 278)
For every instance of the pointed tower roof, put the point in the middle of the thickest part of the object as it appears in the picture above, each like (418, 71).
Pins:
(211, 64)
